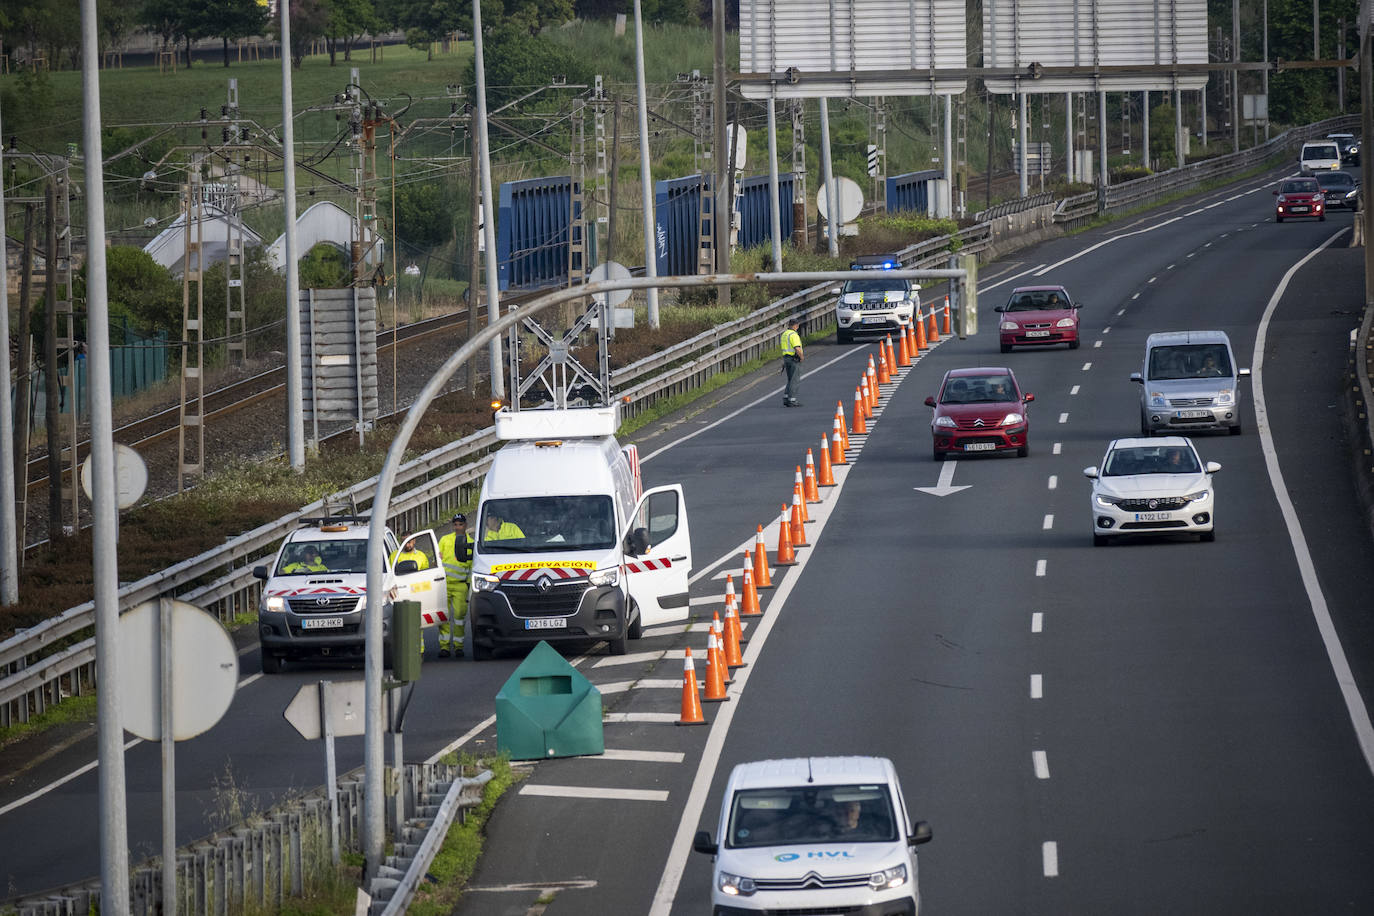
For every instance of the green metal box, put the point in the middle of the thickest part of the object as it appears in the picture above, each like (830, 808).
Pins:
(406, 641)
(548, 709)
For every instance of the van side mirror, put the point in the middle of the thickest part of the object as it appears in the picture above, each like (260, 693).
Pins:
(1135, 377)
(637, 542)
(921, 835)
(260, 572)
(702, 843)
(407, 566)
(1242, 373)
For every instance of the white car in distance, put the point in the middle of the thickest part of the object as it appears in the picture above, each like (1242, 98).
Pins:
(1152, 486)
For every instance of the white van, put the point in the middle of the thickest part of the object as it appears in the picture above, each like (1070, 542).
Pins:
(815, 835)
(567, 546)
(1319, 156)
(315, 588)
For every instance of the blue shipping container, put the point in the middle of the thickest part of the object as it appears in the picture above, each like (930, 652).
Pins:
(681, 223)
(535, 222)
(912, 191)
(756, 210)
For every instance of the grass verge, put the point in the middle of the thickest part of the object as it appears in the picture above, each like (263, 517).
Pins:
(73, 710)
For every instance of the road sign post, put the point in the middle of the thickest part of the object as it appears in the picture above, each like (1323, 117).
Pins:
(325, 710)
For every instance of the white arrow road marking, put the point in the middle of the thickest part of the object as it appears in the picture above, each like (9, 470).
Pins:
(943, 488)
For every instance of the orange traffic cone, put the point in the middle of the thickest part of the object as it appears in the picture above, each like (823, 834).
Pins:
(824, 476)
(715, 673)
(691, 700)
(762, 577)
(946, 322)
(883, 376)
(891, 357)
(795, 523)
(733, 637)
(812, 489)
(844, 430)
(836, 448)
(920, 331)
(932, 333)
(749, 600)
(860, 427)
(799, 495)
(722, 659)
(867, 396)
(903, 352)
(786, 555)
(729, 590)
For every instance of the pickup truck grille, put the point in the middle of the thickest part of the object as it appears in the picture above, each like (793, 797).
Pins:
(324, 604)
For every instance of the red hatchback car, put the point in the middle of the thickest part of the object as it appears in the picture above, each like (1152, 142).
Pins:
(1037, 315)
(980, 410)
(1299, 197)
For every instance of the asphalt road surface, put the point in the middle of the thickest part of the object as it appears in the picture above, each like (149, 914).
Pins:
(1157, 726)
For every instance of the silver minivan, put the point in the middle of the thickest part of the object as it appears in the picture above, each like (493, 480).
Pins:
(1189, 382)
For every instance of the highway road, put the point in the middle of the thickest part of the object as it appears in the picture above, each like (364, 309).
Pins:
(1154, 726)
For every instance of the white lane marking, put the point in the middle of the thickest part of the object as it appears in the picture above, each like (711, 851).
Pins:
(1335, 652)
(1120, 312)
(1087, 366)
(1040, 567)
(1041, 761)
(1049, 854)
(39, 793)
(634, 658)
(643, 684)
(1054, 480)
(1170, 267)
(1097, 344)
(1058, 447)
(1107, 241)
(1107, 330)
(463, 739)
(595, 792)
(547, 887)
(1223, 235)
(1037, 622)
(1073, 390)
(639, 756)
(1063, 418)
(1208, 245)
(706, 599)
(1006, 280)
(622, 717)
(1133, 298)
(1037, 687)
(1049, 523)
(1191, 253)
(1152, 279)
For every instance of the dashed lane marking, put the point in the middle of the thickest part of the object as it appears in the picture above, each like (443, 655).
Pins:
(1037, 687)
(1049, 854)
(651, 717)
(1037, 622)
(1058, 447)
(1097, 344)
(1087, 366)
(1049, 522)
(1041, 761)
(595, 792)
(1054, 480)
(633, 658)
(612, 753)
(1073, 390)
(1063, 418)
(1040, 567)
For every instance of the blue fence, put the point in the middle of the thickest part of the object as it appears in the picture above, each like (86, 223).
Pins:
(912, 191)
(681, 223)
(536, 221)
(756, 209)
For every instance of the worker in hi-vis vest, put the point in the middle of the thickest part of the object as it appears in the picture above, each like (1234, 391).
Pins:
(791, 362)
(498, 529)
(455, 552)
(411, 551)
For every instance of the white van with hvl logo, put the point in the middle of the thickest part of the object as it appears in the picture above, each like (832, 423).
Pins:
(815, 835)
(567, 546)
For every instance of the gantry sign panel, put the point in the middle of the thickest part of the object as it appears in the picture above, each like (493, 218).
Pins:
(1095, 33)
(843, 48)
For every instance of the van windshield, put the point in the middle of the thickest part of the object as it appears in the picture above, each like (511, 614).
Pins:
(811, 814)
(1190, 361)
(543, 524)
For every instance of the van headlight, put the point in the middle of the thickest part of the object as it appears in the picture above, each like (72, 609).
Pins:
(275, 603)
(735, 885)
(481, 582)
(602, 577)
(1158, 400)
(888, 878)
(1226, 396)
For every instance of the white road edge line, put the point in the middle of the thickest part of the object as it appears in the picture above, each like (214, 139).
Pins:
(596, 792)
(1335, 652)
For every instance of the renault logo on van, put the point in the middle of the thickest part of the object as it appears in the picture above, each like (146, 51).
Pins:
(545, 583)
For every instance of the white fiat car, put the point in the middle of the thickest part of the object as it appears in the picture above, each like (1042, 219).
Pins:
(815, 835)
(1152, 486)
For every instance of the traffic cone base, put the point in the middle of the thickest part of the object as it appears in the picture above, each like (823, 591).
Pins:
(691, 699)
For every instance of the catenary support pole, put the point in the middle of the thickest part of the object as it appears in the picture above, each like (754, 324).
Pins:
(832, 196)
(646, 180)
(949, 158)
(295, 405)
(1102, 138)
(1145, 128)
(10, 524)
(775, 205)
(719, 160)
(113, 815)
(489, 205)
(1068, 136)
(1023, 155)
(1235, 76)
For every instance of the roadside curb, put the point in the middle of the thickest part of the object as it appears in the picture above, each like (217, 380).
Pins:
(1361, 426)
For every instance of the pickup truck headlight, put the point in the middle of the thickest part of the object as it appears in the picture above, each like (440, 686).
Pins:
(736, 885)
(274, 603)
(945, 422)
(604, 577)
(481, 582)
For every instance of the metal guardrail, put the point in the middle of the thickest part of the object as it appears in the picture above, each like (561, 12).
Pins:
(1018, 205)
(252, 867)
(41, 665)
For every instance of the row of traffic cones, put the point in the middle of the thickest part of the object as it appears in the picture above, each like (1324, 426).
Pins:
(723, 652)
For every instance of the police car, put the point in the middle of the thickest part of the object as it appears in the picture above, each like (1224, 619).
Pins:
(815, 835)
(879, 304)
